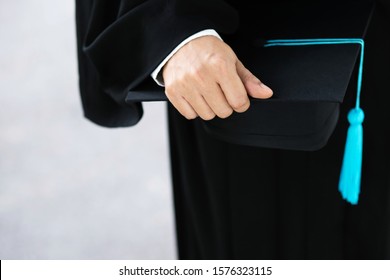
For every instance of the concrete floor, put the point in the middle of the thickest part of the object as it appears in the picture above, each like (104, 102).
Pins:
(70, 189)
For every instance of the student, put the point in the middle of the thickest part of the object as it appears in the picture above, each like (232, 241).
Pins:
(237, 201)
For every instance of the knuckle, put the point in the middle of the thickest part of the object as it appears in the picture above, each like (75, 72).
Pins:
(196, 75)
(172, 97)
(194, 72)
(190, 116)
(208, 116)
(218, 62)
(225, 113)
(171, 89)
(240, 103)
(175, 89)
(246, 75)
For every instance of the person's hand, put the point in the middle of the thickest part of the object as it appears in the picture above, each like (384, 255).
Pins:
(206, 79)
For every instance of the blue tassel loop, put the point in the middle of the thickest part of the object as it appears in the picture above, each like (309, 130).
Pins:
(351, 169)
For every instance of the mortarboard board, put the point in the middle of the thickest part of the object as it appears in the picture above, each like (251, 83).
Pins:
(309, 80)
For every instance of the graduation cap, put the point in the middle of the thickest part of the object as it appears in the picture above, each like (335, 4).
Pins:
(307, 53)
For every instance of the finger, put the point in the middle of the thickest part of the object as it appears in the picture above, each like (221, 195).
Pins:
(234, 90)
(252, 84)
(181, 105)
(202, 109)
(216, 100)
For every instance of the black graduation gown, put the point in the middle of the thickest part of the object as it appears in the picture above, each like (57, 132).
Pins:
(239, 202)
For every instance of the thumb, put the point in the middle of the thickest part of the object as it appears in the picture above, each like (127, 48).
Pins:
(253, 85)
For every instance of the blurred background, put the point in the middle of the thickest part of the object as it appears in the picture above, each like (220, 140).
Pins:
(70, 189)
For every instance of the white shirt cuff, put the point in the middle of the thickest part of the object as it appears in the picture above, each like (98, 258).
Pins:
(157, 75)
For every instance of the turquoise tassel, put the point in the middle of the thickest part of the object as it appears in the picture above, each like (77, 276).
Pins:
(349, 184)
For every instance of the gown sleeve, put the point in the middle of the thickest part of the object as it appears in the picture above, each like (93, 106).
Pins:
(122, 42)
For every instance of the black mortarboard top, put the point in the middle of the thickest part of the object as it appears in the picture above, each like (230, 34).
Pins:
(309, 81)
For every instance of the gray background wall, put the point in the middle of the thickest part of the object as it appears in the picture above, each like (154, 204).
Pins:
(70, 189)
